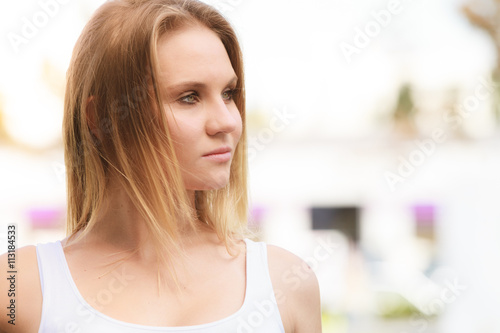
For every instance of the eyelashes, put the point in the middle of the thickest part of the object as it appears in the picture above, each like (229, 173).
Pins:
(228, 94)
(193, 97)
(189, 99)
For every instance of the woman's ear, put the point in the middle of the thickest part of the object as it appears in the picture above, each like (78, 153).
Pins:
(90, 112)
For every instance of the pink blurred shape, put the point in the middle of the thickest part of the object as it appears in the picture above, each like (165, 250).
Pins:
(45, 217)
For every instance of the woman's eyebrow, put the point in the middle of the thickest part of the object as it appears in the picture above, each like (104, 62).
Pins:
(196, 84)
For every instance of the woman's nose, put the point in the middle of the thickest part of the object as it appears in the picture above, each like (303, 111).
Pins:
(222, 117)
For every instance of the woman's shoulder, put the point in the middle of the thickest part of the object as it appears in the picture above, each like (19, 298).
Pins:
(296, 289)
(20, 291)
(291, 272)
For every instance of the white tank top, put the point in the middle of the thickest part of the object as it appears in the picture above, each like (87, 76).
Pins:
(64, 310)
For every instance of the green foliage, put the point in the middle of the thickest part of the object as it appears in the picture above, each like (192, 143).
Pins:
(394, 306)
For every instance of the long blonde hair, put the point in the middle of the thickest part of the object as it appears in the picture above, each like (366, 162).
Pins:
(114, 75)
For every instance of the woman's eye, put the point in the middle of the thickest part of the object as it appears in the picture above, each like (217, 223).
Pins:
(188, 99)
(228, 94)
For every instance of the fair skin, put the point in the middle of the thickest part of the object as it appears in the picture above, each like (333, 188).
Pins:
(198, 80)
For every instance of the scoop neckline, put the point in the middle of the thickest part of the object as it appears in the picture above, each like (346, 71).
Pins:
(82, 300)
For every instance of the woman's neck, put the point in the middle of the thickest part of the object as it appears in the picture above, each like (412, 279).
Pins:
(120, 227)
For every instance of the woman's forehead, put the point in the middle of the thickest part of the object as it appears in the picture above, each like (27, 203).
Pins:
(193, 53)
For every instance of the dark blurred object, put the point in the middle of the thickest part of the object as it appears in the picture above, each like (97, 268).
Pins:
(404, 114)
(342, 219)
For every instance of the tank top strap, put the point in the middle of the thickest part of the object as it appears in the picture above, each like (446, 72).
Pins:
(49, 267)
(53, 278)
(260, 289)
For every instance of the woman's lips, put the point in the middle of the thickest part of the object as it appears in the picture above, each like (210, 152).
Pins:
(219, 155)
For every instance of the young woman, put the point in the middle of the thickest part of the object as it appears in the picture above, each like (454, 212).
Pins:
(156, 171)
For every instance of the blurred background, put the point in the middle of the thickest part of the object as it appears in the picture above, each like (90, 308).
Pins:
(374, 147)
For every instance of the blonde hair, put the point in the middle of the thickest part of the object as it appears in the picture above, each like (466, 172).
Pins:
(113, 74)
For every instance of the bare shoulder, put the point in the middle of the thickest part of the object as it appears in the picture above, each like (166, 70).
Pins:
(20, 291)
(297, 291)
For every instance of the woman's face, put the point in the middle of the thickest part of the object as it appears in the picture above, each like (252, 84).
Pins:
(198, 83)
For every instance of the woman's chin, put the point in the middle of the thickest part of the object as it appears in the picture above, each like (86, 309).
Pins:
(213, 184)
